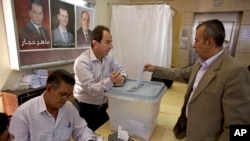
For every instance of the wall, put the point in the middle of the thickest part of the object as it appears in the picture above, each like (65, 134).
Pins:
(4, 57)
(103, 10)
(243, 48)
(185, 14)
(9, 76)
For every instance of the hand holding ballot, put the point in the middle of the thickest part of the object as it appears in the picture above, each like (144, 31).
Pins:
(117, 78)
(149, 67)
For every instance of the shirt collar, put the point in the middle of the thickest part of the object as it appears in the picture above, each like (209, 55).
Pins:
(61, 30)
(93, 57)
(42, 105)
(35, 25)
(41, 102)
(208, 62)
(84, 32)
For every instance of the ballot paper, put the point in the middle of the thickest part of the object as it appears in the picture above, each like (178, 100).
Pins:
(138, 82)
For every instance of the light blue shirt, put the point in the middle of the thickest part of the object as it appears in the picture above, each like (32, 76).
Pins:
(93, 77)
(204, 65)
(32, 122)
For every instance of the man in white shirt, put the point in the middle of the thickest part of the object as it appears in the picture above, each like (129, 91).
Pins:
(96, 71)
(51, 117)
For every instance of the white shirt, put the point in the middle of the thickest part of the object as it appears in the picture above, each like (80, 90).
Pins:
(32, 122)
(86, 35)
(64, 34)
(93, 77)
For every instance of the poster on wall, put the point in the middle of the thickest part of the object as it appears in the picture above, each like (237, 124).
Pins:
(63, 24)
(45, 32)
(33, 24)
(85, 18)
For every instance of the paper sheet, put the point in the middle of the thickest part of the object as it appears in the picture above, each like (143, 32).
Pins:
(138, 82)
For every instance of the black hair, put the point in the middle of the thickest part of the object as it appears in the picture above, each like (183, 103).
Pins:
(63, 7)
(84, 12)
(55, 78)
(97, 33)
(214, 29)
(4, 122)
(37, 2)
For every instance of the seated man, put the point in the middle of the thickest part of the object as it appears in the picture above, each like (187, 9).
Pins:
(51, 117)
(4, 133)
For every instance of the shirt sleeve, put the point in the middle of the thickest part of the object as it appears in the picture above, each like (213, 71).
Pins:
(19, 127)
(86, 78)
(118, 67)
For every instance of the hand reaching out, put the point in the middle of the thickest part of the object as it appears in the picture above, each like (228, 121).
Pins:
(149, 67)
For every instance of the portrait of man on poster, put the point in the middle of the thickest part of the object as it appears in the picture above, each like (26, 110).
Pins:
(84, 26)
(62, 36)
(34, 33)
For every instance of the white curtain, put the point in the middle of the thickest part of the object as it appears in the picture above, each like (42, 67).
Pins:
(142, 34)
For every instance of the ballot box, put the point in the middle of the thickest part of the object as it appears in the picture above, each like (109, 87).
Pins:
(135, 107)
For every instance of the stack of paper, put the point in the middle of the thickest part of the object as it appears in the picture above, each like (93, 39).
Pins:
(32, 79)
(36, 79)
(42, 72)
(43, 80)
(43, 75)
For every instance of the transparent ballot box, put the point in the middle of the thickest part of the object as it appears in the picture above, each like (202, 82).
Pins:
(135, 107)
